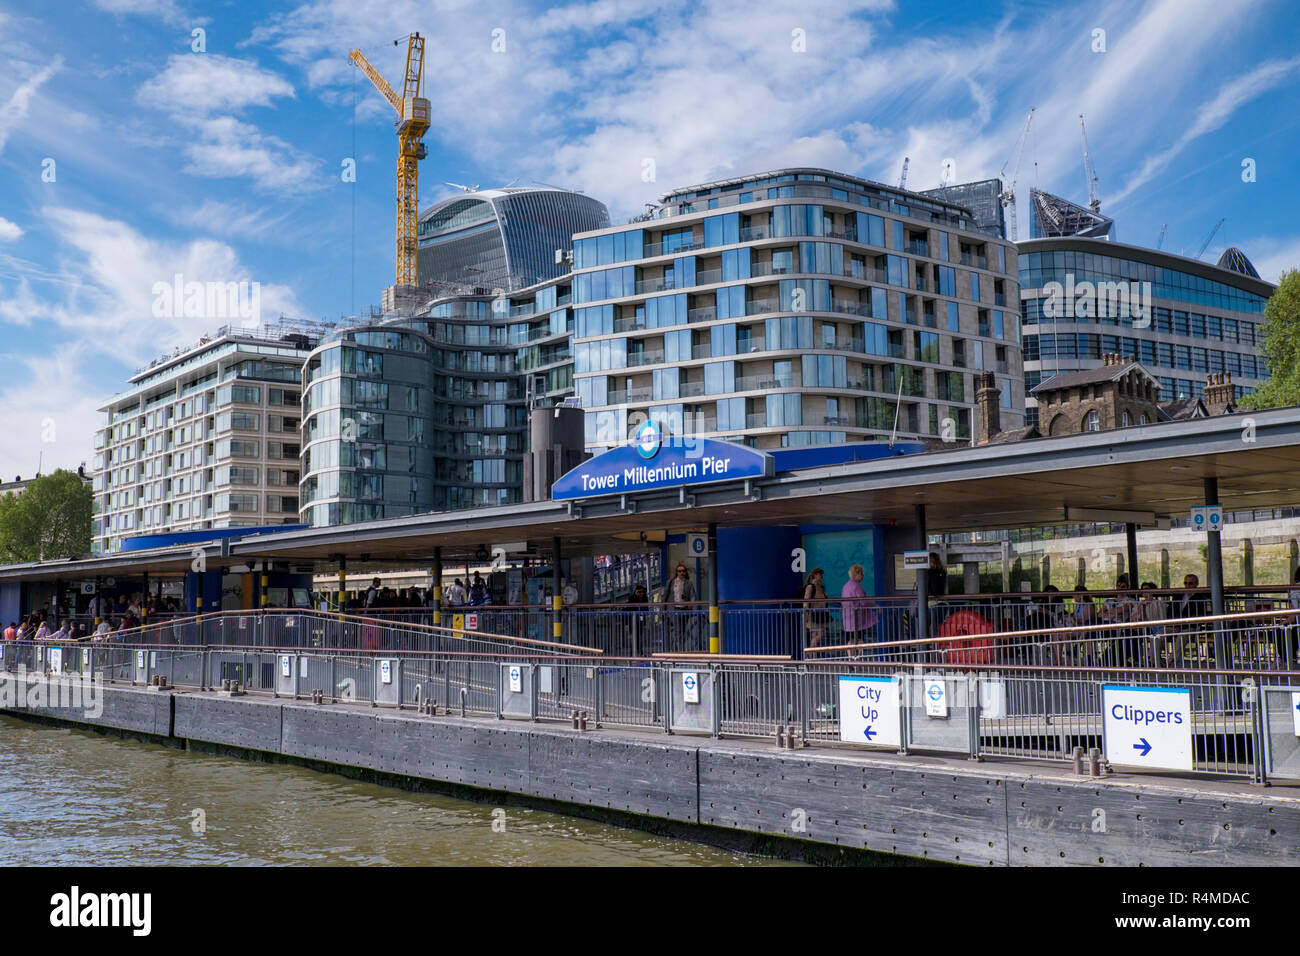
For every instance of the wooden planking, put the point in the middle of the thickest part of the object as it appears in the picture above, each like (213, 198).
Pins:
(1105, 823)
(930, 813)
(631, 775)
(252, 722)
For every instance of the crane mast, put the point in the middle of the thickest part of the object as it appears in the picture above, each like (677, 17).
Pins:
(1093, 202)
(413, 122)
(1008, 196)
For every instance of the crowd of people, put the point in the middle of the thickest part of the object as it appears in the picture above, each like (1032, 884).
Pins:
(378, 597)
(115, 614)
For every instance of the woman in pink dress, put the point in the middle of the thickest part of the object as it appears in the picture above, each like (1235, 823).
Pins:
(859, 613)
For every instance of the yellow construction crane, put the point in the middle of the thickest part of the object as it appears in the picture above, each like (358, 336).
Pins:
(413, 112)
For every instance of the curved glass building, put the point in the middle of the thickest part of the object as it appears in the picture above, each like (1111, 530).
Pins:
(503, 238)
(1084, 298)
(429, 412)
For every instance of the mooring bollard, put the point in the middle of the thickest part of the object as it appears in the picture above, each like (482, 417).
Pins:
(1094, 762)
(1078, 761)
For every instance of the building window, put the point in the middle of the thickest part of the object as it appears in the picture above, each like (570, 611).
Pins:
(1092, 423)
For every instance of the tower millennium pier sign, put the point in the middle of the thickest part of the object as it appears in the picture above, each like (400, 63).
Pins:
(650, 462)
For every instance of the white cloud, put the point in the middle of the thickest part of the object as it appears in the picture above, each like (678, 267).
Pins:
(231, 219)
(202, 93)
(107, 292)
(166, 10)
(1214, 113)
(9, 231)
(212, 83)
(15, 110)
(49, 406)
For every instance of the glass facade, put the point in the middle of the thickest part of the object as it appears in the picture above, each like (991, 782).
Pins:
(430, 412)
(503, 238)
(788, 320)
(1183, 320)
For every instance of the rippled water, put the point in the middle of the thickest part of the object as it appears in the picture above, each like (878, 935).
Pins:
(74, 797)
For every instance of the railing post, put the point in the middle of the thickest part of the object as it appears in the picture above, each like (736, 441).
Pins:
(805, 702)
(334, 684)
(973, 714)
(714, 679)
(1259, 730)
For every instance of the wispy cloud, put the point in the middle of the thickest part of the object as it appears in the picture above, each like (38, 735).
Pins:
(9, 231)
(15, 110)
(202, 93)
(166, 10)
(1214, 113)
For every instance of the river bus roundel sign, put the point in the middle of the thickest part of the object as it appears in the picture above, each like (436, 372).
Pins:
(649, 440)
(652, 461)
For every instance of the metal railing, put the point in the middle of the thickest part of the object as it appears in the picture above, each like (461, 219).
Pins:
(1032, 694)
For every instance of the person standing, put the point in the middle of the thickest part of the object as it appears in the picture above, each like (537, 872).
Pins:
(859, 614)
(372, 595)
(456, 594)
(679, 594)
(815, 615)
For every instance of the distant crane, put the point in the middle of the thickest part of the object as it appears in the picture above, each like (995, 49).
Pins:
(1161, 241)
(902, 180)
(413, 112)
(1093, 202)
(1206, 244)
(1008, 194)
(468, 189)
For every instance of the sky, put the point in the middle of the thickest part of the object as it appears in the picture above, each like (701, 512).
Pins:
(141, 140)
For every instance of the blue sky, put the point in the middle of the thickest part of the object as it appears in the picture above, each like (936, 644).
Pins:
(224, 165)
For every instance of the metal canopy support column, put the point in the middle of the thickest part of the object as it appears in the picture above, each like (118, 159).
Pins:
(58, 594)
(343, 585)
(557, 601)
(1131, 539)
(99, 600)
(436, 573)
(144, 599)
(922, 579)
(1214, 571)
(715, 636)
(264, 585)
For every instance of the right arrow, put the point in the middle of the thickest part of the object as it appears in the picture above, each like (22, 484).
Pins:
(1143, 746)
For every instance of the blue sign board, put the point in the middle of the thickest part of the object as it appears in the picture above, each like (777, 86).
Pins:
(651, 461)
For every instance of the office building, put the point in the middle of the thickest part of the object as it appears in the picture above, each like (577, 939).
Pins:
(1083, 298)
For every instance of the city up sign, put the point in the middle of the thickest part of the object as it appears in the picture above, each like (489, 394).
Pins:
(650, 462)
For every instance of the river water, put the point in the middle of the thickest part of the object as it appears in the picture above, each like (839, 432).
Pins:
(71, 797)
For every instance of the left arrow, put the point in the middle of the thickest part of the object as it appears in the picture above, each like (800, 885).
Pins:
(868, 733)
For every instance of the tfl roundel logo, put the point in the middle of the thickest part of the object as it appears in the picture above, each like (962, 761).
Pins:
(648, 440)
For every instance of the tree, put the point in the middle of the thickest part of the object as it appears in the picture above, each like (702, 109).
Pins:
(48, 521)
(1281, 347)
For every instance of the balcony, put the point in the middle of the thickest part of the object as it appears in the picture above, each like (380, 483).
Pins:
(756, 383)
(978, 262)
(836, 420)
(701, 351)
(648, 357)
(706, 314)
(629, 396)
(708, 276)
(756, 420)
(758, 269)
(629, 324)
(653, 285)
(690, 389)
(753, 232)
(999, 299)
(657, 249)
(919, 247)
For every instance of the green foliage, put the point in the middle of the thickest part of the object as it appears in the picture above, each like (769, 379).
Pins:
(49, 520)
(1281, 347)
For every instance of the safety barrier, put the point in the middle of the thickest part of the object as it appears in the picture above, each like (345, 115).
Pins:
(1054, 696)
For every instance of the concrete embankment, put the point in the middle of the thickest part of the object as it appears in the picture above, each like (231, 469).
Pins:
(936, 808)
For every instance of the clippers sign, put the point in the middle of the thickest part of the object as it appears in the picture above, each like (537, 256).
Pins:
(650, 462)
